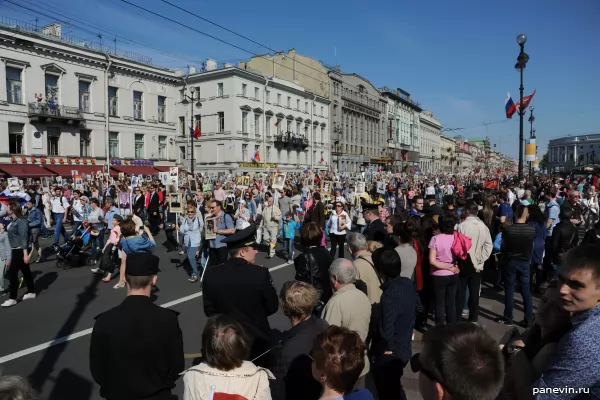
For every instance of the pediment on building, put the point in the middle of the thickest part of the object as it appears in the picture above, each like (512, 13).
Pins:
(53, 68)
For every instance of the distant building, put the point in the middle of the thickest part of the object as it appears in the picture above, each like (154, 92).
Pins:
(430, 128)
(75, 105)
(566, 152)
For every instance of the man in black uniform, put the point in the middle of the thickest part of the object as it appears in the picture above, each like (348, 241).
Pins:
(243, 290)
(136, 350)
(376, 228)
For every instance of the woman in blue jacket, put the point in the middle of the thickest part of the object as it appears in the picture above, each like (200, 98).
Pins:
(132, 242)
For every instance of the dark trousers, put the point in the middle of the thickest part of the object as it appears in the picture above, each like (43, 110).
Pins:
(387, 374)
(513, 270)
(18, 264)
(154, 221)
(337, 240)
(172, 243)
(217, 256)
(473, 282)
(110, 258)
(444, 290)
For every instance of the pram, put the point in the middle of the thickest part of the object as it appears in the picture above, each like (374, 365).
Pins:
(74, 251)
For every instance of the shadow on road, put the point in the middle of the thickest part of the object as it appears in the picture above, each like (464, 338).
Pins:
(45, 367)
(70, 385)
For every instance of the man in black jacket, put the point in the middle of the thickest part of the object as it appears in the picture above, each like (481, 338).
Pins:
(136, 349)
(375, 228)
(564, 236)
(153, 210)
(243, 290)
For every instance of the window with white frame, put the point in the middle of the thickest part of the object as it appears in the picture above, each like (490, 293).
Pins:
(289, 102)
(257, 124)
(138, 105)
(256, 94)
(113, 144)
(182, 128)
(278, 99)
(268, 154)
(84, 96)
(306, 106)
(297, 104)
(244, 121)
(85, 140)
(322, 109)
(53, 141)
(162, 108)
(139, 145)
(221, 115)
(244, 152)
(51, 83)
(182, 153)
(162, 147)
(14, 86)
(334, 110)
(113, 101)
(279, 127)
(244, 90)
(220, 89)
(298, 129)
(289, 126)
(268, 126)
(16, 132)
(268, 97)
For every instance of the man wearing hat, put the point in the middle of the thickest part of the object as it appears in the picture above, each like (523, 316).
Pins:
(243, 290)
(136, 350)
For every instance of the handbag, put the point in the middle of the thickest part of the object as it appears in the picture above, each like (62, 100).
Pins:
(311, 263)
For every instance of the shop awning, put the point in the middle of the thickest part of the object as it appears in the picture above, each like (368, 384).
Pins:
(163, 168)
(132, 170)
(65, 170)
(25, 171)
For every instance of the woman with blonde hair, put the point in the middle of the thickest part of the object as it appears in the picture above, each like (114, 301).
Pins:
(223, 372)
(292, 367)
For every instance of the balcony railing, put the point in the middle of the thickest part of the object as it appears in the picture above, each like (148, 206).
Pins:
(37, 109)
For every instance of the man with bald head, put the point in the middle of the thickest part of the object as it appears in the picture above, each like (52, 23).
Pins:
(348, 307)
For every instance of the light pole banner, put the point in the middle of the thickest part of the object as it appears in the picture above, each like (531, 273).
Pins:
(536, 164)
(530, 150)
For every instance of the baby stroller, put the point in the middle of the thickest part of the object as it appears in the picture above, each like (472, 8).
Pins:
(73, 251)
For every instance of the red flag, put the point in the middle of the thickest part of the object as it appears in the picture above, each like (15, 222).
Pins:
(277, 123)
(526, 101)
(492, 184)
(197, 131)
(257, 156)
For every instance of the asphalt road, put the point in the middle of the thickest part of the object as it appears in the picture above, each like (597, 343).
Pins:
(47, 339)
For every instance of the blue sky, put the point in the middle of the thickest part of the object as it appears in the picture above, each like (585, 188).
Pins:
(455, 57)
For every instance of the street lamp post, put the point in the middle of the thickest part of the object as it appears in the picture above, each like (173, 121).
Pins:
(522, 60)
(531, 136)
(190, 100)
(337, 143)
(432, 160)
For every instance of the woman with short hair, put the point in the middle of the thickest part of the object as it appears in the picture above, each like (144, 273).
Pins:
(292, 366)
(223, 370)
(338, 359)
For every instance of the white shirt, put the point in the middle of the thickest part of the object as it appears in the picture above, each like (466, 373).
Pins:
(77, 206)
(58, 206)
(334, 223)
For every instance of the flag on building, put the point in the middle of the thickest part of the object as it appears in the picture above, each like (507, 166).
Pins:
(526, 101)
(509, 106)
(277, 123)
(322, 160)
(256, 156)
(191, 129)
(197, 131)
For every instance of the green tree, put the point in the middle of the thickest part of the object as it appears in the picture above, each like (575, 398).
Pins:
(544, 161)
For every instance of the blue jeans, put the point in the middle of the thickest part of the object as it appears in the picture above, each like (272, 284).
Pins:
(517, 269)
(289, 247)
(95, 242)
(203, 255)
(59, 228)
(191, 253)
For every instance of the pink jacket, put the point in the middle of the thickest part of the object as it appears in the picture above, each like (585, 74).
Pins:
(461, 245)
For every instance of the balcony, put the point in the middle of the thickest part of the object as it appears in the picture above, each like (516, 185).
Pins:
(45, 112)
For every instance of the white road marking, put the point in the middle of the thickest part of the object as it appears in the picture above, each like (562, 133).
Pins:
(86, 332)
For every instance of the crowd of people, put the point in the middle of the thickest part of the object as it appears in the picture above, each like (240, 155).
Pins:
(421, 250)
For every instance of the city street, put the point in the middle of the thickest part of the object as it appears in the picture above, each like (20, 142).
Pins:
(47, 339)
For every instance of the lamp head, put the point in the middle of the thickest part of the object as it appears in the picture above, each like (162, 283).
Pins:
(531, 108)
(521, 39)
(192, 89)
(198, 104)
(185, 101)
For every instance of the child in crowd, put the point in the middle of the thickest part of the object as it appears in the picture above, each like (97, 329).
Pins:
(288, 233)
(5, 256)
(110, 250)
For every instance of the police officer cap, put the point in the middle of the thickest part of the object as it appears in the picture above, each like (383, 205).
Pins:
(142, 264)
(244, 238)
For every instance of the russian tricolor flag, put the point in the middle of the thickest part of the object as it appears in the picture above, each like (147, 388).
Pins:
(509, 106)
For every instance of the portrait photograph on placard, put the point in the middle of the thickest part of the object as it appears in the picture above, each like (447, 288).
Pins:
(175, 202)
(209, 228)
(172, 188)
(58, 179)
(381, 187)
(278, 181)
(193, 185)
(326, 187)
(341, 222)
(360, 187)
(45, 183)
(13, 184)
(240, 180)
(135, 181)
(174, 171)
(121, 176)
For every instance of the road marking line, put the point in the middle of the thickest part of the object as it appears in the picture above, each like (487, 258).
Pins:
(86, 332)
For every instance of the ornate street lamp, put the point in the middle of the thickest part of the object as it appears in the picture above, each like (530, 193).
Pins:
(522, 60)
(190, 100)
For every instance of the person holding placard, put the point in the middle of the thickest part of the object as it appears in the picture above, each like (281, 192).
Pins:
(191, 228)
(339, 223)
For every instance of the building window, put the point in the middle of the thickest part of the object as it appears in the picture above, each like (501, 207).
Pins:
(244, 90)
(244, 152)
(162, 147)
(322, 108)
(113, 144)
(306, 106)
(268, 97)
(268, 126)
(334, 110)
(289, 102)
(162, 108)
(256, 94)
(220, 89)
(244, 121)
(14, 86)
(51, 82)
(139, 145)
(53, 141)
(278, 125)
(113, 101)
(257, 124)
(289, 126)
(84, 96)
(15, 137)
(268, 154)
(278, 99)
(138, 105)
(221, 121)
(182, 129)
(84, 143)
(298, 128)
(297, 104)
